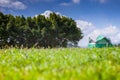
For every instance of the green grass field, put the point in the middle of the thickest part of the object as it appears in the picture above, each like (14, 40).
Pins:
(60, 64)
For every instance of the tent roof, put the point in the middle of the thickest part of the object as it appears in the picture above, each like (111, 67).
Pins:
(100, 37)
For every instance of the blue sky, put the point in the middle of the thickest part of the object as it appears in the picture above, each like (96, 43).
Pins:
(98, 14)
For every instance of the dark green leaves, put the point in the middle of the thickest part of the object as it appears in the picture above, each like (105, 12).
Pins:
(53, 31)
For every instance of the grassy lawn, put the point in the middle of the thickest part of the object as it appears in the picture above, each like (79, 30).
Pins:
(60, 64)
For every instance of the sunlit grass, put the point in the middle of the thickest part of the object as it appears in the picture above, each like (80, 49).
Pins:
(60, 64)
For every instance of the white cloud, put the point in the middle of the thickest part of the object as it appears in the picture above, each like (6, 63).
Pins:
(49, 0)
(76, 1)
(48, 12)
(12, 4)
(89, 30)
(39, 0)
(70, 3)
(85, 26)
(102, 1)
(111, 32)
(65, 4)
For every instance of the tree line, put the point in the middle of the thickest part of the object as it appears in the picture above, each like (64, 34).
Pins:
(39, 31)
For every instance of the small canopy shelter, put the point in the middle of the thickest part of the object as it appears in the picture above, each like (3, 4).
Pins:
(101, 41)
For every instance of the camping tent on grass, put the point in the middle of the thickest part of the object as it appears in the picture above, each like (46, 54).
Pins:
(101, 41)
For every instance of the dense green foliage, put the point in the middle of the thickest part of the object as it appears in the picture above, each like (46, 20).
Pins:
(60, 64)
(54, 31)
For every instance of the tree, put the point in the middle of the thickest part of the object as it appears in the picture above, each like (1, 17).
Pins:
(3, 29)
(11, 31)
(53, 31)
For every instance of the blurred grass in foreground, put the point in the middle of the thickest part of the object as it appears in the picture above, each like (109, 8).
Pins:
(60, 64)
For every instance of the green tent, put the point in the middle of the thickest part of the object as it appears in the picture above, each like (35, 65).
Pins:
(101, 42)
(91, 43)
